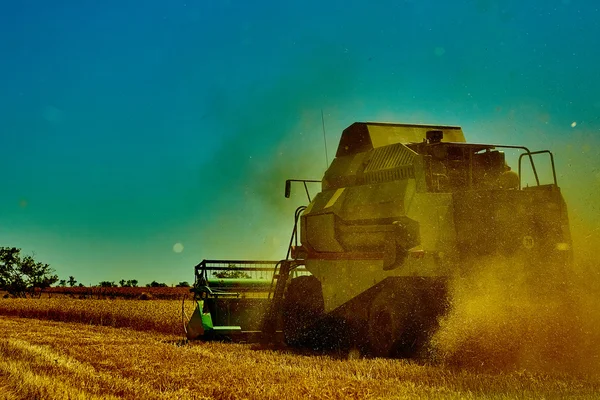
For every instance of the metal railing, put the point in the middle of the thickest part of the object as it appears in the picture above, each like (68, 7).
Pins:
(239, 275)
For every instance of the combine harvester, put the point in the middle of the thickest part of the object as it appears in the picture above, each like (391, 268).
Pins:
(402, 209)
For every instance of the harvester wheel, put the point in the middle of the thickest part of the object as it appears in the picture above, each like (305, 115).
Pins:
(390, 323)
(302, 306)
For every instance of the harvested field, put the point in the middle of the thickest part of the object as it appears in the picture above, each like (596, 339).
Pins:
(61, 351)
(47, 359)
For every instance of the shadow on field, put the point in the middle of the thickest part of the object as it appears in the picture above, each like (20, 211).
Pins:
(178, 343)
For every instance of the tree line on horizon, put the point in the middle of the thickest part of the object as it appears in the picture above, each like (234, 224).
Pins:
(22, 276)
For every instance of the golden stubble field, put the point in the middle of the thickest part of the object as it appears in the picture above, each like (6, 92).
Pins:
(61, 351)
(146, 315)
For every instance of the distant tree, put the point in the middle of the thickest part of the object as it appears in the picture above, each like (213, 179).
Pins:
(133, 282)
(232, 272)
(62, 283)
(71, 281)
(156, 284)
(23, 275)
(122, 282)
(107, 284)
(81, 285)
(183, 284)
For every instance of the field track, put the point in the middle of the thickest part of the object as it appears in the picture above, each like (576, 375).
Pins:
(48, 360)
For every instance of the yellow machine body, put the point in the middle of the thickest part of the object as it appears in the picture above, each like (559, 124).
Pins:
(404, 200)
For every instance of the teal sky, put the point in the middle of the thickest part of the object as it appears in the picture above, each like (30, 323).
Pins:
(128, 127)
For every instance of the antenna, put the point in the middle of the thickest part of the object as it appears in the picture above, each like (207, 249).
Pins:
(324, 139)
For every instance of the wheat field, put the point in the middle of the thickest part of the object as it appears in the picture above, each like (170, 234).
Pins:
(62, 352)
(145, 315)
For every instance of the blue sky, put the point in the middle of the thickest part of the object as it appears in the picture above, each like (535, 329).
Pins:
(128, 127)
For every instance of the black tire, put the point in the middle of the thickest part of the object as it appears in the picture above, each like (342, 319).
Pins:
(303, 305)
(392, 323)
(403, 317)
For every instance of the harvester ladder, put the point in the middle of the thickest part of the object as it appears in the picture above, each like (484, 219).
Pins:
(293, 240)
(280, 278)
(271, 319)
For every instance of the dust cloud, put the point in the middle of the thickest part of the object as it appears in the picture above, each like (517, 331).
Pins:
(504, 317)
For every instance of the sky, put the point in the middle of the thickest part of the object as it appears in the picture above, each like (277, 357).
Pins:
(139, 138)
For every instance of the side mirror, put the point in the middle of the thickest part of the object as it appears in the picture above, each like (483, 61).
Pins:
(288, 188)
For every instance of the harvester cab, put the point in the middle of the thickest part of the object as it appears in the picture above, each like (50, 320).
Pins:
(403, 208)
